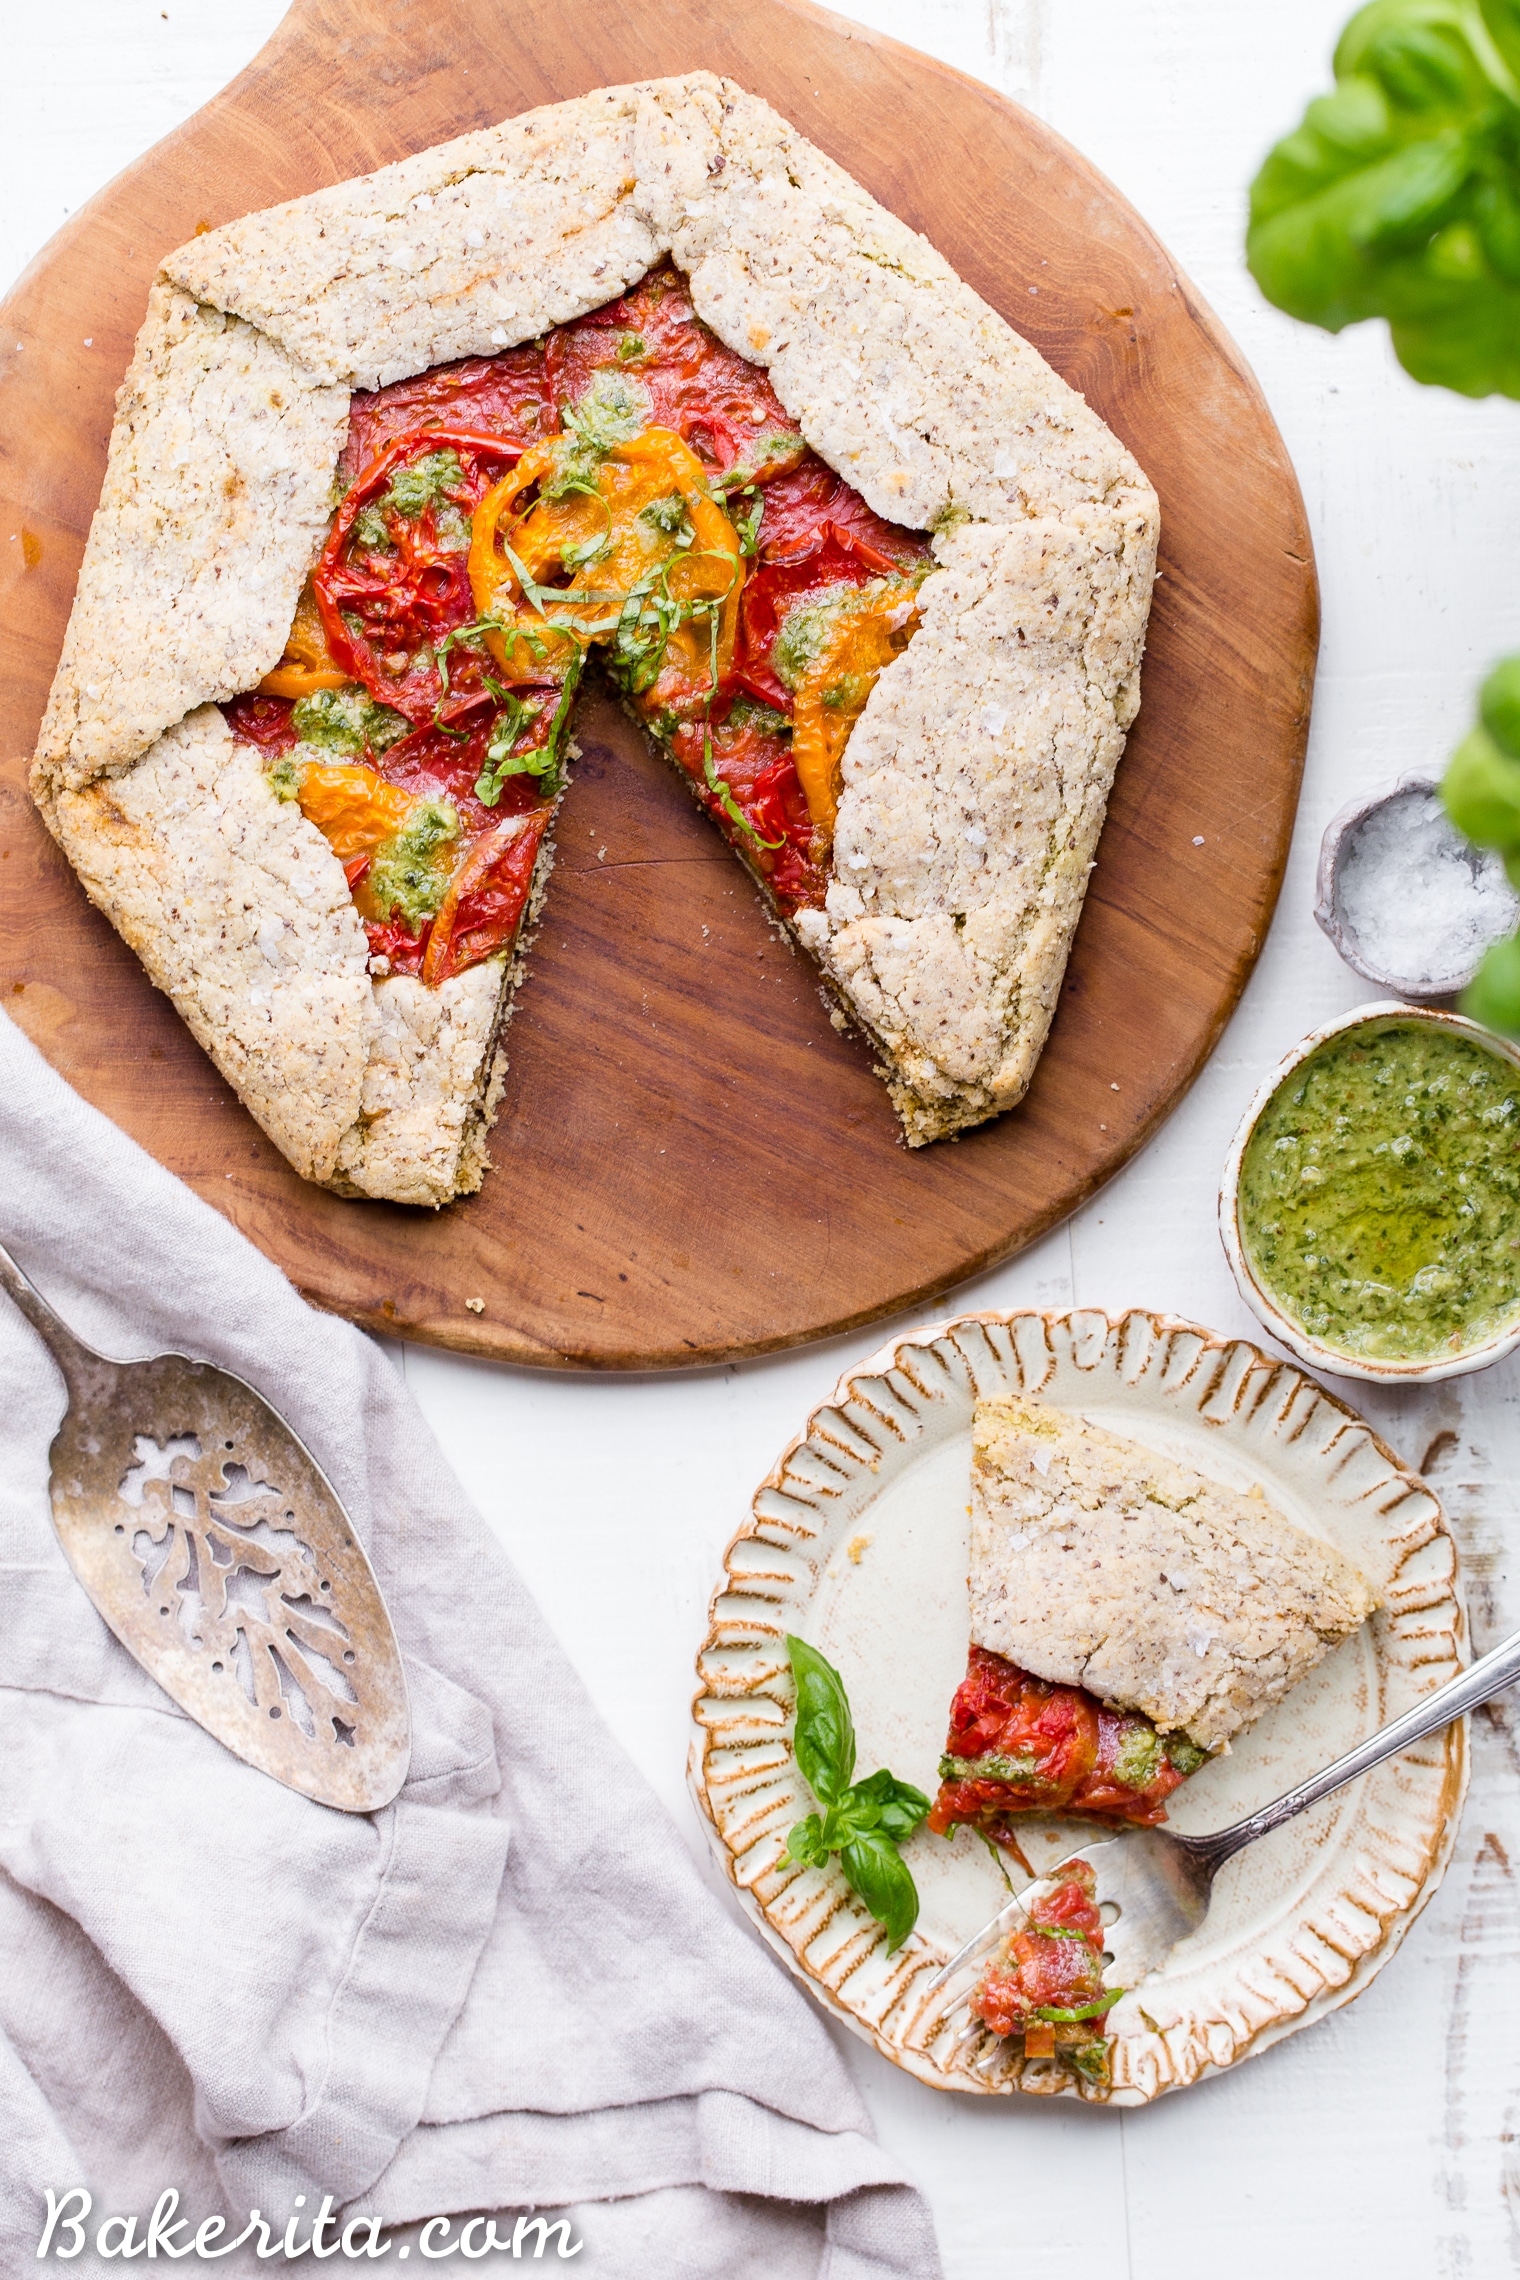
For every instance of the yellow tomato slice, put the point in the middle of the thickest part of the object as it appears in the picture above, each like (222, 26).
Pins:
(831, 696)
(528, 649)
(603, 541)
(711, 569)
(354, 808)
(308, 663)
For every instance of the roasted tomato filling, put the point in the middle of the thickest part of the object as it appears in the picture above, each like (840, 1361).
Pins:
(1045, 1983)
(627, 486)
(1018, 1745)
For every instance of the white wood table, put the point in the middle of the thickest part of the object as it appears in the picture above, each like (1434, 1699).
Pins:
(1381, 2142)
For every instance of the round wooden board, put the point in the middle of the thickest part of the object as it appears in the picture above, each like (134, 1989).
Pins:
(690, 1163)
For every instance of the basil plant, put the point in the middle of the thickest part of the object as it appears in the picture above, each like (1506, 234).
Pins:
(1399, 197)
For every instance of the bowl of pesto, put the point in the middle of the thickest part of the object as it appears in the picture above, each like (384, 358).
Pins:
(1370, 1209)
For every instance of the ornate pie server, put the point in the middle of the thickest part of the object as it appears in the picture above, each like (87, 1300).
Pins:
(214, 1546)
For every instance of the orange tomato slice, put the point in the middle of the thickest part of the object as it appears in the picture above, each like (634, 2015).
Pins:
(831, 697)
(354, 808)
(550, 535)
(308, 664)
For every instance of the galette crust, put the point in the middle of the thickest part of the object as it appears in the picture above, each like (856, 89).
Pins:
(217, 493)
(235, 905)
(1096, 1563)
(1005, 717)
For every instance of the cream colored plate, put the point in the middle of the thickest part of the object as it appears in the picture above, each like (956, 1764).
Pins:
(858, 1542)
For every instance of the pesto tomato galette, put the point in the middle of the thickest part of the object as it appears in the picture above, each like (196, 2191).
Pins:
(639, 385)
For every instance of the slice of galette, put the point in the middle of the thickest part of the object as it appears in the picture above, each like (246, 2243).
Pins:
(1128, 1616)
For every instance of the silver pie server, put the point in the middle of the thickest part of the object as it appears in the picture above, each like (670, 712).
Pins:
(1154, 1885)
(214, 1546)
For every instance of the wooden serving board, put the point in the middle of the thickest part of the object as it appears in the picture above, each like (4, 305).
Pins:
(690, 1163)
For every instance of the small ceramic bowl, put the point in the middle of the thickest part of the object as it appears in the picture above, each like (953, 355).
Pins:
(1375, 1369)
(1494, 905)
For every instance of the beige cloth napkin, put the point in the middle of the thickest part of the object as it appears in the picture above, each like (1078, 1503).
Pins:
(511, 1989)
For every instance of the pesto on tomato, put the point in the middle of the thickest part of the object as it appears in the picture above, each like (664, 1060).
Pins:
(1019, 1744)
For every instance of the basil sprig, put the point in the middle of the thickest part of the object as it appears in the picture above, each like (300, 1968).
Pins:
(864, 1822)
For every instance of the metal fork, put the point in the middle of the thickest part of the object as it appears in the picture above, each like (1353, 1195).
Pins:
(1154, 1885)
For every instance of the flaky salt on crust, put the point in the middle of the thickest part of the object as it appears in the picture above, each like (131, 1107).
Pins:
(1096, 1563)
(976, 778)
(473, 245)
(899, 375)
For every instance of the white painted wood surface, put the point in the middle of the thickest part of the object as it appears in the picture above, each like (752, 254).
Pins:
(1381, 2142)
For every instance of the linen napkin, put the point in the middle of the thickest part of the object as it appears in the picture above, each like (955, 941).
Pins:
(510, 1990)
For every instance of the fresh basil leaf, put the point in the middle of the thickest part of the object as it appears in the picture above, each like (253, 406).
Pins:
(895, 1807)
(1494, 997)
(824, 1734)
(807, 1843)
(878, 1872)
(1481, 791)
(1398, 196)
(1501, 20)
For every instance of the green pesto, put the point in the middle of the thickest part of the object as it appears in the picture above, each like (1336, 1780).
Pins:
(284, 778)
(1380, 1193)
(423, 484)
(762, 448)
(666, 515)
(1183, 1756)
(949, 518)
(372, 530)
(407, 875)
(748, 712)
(451, 528)
(808, 627)
(850, 692)
(1139, 1757)
(1019, 1766)
(613, 410)
(346, 723)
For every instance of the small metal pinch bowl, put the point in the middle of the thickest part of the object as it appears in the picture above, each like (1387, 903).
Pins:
(1410, 905)
(1317, 1352)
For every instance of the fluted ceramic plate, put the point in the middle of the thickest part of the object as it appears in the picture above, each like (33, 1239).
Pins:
(858, 1541)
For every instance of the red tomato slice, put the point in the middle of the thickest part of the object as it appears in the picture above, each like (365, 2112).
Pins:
(506, 396)
(385, 611)
(827, 556)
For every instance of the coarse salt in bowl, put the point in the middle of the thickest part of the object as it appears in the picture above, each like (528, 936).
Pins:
(1408, 902)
